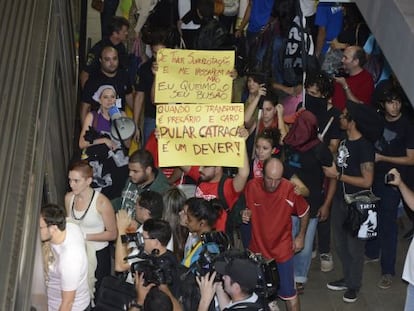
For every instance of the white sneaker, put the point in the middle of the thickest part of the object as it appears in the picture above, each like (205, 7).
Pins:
(326, 262)
(273, 306)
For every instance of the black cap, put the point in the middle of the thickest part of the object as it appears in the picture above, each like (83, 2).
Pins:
(367, 120)
(242, 271)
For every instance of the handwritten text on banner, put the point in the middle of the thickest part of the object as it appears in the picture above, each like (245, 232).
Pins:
(189, 76)
(200, 134)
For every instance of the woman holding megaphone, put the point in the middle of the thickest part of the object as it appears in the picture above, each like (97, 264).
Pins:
(101, 147)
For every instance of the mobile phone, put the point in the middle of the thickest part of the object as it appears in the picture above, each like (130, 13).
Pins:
(389, 177)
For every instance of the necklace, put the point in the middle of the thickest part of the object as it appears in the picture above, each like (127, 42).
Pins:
(84, 214)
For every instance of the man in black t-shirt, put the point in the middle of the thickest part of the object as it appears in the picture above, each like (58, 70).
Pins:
(354, 172)
(156, 235)
(395, 149)
(118, 30)
(109, 74)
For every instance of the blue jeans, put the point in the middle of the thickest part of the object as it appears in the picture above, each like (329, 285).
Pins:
(409, 300)
(149, 126)
(386, 243)
(302, 260)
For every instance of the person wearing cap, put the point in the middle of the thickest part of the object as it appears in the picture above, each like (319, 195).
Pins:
(394, 149)
(271, 201)
(109, 74)
(358, 86)
(104, 153)
(354, 172)
(237, 289)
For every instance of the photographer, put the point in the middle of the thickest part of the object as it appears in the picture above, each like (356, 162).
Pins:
(149, 206)
(158, 268)
(237, 289)
(408, 275)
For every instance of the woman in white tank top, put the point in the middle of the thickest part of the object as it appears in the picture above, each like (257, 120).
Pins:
(94, 214)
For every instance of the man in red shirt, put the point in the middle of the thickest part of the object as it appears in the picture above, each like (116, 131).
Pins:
(209, 177)
(271, 201)
(358, 86)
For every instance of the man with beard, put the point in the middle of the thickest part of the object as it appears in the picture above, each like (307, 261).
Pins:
(354, 172)
(110, 74)
(210, 177)
(118, 33)
(143, 176)
(358, 85)
(67, 263)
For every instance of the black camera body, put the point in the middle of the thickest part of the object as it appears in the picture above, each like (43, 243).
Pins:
(267, 272)
(207, 258)
(388, 178)
(156, 270)
(340, 73)
(135, 237)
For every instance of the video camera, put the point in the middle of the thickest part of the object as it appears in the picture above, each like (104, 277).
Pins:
(206, 260)
(267, 276)
(156, 270)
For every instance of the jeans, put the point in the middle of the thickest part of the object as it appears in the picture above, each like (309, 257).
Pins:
(149, 126)
(386, 243)
(302, 260)
(350, 249)
(409, 300)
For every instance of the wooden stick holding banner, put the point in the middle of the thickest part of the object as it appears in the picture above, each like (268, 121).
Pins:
(200, 134)
(189, 76)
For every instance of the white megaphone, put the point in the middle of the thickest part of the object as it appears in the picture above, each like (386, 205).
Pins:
(122, 128)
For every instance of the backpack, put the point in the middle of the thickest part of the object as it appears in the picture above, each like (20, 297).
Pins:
(211, 36)
(375, 62)
(233, 213)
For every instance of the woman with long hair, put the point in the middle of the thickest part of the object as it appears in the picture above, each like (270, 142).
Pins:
(174, 200)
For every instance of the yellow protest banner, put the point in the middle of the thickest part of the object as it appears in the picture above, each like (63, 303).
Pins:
(189, 76)
(200, 134)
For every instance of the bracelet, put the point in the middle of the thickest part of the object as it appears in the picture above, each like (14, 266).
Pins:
(346, 87)
(135, 305)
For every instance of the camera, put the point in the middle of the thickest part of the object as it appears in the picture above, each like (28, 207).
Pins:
(135, 237)
(156, 270)
(208, 255)
(267, 272)
(340, 72)
(389, 177)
